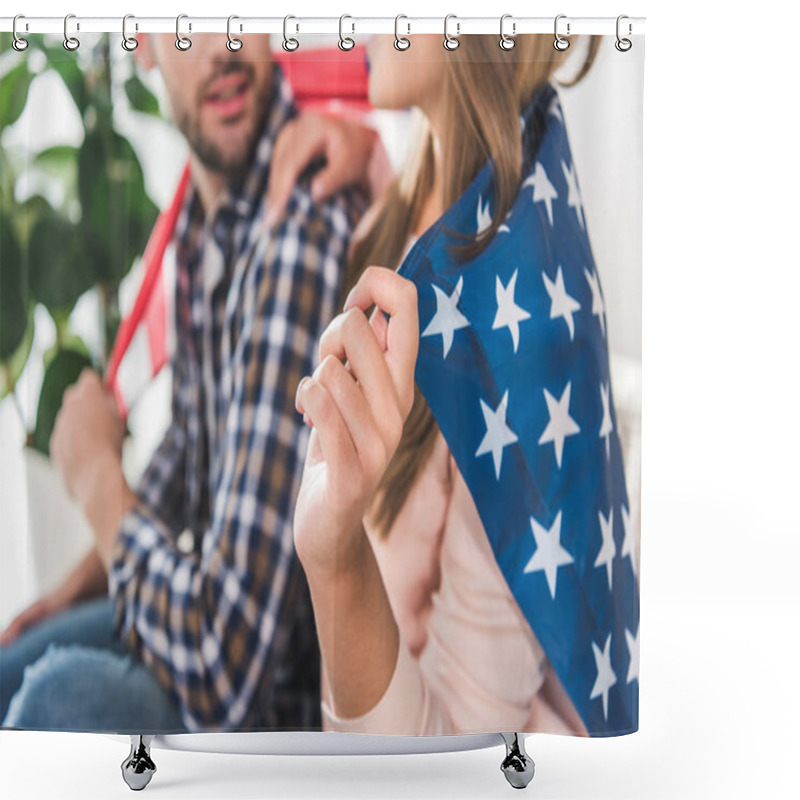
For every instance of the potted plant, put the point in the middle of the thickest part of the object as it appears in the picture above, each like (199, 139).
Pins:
(79, 231)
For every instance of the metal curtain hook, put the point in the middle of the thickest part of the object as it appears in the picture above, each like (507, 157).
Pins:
(70, 42)
(233, 44)
(19, 43)
(129, 43)
(182, 42)
(290, 44)
(506, 41)
(346, 42)
(451, 42)
(401, 42)
(623, 45)
(560, 43)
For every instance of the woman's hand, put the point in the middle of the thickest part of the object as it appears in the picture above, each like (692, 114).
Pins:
(357, 401)
(353, 154)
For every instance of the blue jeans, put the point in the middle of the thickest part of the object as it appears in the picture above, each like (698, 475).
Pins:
(70, 673)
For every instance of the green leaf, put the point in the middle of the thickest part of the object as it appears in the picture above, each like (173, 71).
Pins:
(59, 271)
(14, 93)
(140, 97)
(66, 66)
(117, 214)
(57, 159)
(64, 370)
(14, 365)
(13, 300)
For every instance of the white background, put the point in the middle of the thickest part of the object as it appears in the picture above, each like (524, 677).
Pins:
(721, 539)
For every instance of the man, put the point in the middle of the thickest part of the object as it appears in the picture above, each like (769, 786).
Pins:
(221, 638)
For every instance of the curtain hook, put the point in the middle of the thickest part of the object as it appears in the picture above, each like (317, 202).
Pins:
(506, 41)
(290, 44)
(401, 42)
(233, 44)
(129, 43)
(451, 42)
(70, 42)
(346, 42)
(623, 45)
(19, 44)
(560, 43)
(183, 43)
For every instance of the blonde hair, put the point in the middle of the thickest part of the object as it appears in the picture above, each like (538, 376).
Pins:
(485, 89)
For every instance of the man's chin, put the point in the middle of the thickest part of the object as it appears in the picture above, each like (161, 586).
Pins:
(227, 152)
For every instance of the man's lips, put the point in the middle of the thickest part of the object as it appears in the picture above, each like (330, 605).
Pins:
(227, 95)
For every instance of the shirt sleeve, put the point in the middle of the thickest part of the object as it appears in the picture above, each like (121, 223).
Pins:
(214, 628)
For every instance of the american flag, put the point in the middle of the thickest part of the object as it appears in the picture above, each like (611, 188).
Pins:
(514, 364)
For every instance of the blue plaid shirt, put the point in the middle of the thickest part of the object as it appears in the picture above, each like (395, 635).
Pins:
(228, 629)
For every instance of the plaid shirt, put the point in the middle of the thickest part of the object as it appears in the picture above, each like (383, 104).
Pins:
(228, 630)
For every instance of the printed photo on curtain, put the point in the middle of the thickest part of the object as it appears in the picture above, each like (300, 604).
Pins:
(321, 385)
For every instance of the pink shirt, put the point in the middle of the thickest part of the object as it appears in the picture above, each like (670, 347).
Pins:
(468, 660)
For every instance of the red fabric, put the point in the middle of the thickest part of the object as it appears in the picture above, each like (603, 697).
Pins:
(150, 305)
(327, 77)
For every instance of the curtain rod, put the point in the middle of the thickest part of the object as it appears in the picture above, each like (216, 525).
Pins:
(352, 25)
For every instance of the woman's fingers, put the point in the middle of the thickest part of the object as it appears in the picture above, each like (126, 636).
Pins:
(350, 337)
(337, 445)
(397, 296)
(297, 145)
(356, 413)
(346, 146)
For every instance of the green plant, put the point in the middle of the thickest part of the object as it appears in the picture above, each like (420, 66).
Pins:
(52, 252)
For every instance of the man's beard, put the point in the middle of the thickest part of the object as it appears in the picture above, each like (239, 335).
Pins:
(231, 164)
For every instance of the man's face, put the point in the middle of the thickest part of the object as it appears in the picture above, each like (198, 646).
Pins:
(219, 99)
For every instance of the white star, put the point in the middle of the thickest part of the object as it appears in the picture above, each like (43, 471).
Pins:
(608, 550)
(605, 675)
(504, 228)
(573, 195)
(509, 314)
(447, 318)
(498, 434)
(562, 304)
(606, 426)
(629, 542)
(561, 423)
(484, 218)
(549, 555)
(598, 307)
(555, 109)
(543, 190)
(633, 650)
(484, 215)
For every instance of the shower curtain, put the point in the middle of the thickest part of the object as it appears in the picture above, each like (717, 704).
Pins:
(320, 384)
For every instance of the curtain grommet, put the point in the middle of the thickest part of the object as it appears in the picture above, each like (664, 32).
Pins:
(183, 43)
(623, 44)
(233, 44)
(451, 42)
(560, 43)
(19, 43)
(290, 44)
(507, 42)
(71, 43)
(401, 43)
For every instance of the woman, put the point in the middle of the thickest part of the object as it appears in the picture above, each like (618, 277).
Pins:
(418, 630)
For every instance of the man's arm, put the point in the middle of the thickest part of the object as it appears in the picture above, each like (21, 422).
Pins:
(213, 629)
